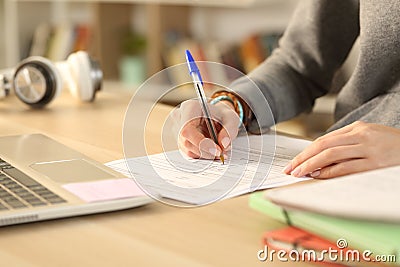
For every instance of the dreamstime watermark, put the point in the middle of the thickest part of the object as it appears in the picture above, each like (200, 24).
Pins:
(340, 253)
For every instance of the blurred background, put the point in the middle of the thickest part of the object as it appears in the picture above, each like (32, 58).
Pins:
(135, 39)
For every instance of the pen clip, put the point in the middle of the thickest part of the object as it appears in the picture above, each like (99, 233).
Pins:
(193, 66)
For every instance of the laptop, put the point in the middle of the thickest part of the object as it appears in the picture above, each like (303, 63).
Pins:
(41, 179)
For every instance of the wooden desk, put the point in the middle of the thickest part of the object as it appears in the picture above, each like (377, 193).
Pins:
(222, 234)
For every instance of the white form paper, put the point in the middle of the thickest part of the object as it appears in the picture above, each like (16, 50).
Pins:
(372, 195)
(250, 166)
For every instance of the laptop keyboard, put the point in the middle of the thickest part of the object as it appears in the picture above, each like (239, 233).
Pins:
(18, 190)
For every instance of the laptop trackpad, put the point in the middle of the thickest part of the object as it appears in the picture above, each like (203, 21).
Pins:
(71, 171)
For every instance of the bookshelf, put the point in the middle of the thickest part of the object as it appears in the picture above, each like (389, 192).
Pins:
(153, 18)
(226, 21)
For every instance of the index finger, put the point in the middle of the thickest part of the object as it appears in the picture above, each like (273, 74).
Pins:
(317, 147)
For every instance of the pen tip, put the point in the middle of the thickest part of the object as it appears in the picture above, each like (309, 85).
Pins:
(222, 159)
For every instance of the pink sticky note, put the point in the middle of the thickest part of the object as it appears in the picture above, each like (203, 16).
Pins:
(105, 189)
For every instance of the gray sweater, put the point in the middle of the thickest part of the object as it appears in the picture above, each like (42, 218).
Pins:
(313, 47)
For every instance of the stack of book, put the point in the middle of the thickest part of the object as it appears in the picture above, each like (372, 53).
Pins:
(359, 212)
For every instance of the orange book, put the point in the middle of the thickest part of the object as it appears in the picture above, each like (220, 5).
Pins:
(82, 38)
(313, 248)
(252, 53)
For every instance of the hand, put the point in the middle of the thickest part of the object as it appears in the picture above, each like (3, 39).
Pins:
(355, 148)
(193, 137)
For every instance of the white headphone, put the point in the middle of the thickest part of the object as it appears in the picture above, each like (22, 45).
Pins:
(36, 80)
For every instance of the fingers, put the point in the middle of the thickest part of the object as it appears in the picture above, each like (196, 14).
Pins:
(189, 152)
(343, 130)
(317, 147)
(191, 133)
(343, 168)
(188, 118)
(328, 157)
(208, 149)
(189, 149)
(192, 137)
(192, 140)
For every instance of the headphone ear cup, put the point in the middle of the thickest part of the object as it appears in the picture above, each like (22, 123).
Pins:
(36, 81)
(81, 86)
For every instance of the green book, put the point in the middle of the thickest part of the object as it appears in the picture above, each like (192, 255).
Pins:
(379, 238)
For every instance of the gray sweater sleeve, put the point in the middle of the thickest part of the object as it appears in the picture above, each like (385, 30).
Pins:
(315, 44)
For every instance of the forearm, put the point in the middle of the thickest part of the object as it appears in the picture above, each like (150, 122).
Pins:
(314, 46)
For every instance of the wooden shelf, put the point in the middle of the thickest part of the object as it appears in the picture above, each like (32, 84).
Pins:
(212, 3)
(108, 16)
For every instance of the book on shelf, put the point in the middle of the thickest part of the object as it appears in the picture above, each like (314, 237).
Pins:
(56, 42)
(61, 42)
(252, 52)
(40, 40)
(83, 35)
(243, 56)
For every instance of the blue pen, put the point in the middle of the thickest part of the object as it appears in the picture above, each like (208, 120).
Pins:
(198, 86)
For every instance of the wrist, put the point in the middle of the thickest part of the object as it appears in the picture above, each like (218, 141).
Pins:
(224, 102)
(235, 102)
